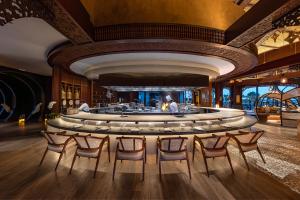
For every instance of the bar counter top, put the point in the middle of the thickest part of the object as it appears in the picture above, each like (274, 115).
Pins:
(223, 120)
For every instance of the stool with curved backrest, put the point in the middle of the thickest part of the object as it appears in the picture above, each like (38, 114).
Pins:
(212, 147)
(90, 147)
(247, 141)
(57, 142)
(172, 149)
(130, 148)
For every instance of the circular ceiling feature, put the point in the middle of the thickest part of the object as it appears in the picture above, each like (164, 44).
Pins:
(214, 60)
(147, 63)
(217, 14)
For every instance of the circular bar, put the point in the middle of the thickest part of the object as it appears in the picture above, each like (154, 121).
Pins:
(155, 124)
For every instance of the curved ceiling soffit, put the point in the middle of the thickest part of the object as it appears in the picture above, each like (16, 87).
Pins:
(94, 74)
(149, 62)
(140, 63)
(242, 59)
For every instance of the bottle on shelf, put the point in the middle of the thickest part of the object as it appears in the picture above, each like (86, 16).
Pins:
(69, 93)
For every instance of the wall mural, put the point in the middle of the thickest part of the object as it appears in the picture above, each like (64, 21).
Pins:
(22, 94)
(9, 103)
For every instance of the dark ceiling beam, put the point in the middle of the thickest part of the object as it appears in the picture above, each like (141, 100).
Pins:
(242, 3)
(71, 19)
(79, 14)
(257, 21)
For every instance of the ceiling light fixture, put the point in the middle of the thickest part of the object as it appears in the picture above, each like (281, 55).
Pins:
(283, 80)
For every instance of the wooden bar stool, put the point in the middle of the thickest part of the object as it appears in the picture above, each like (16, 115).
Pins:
(90, 147)
(212, 147)
(130, 148)
(172, 149)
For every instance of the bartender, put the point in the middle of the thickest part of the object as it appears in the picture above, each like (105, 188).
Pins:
(173, 107)
(84, 107)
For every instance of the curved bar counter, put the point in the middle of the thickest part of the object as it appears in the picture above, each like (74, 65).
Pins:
(153, 125)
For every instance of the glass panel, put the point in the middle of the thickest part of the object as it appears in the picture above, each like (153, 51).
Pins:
(264, 90)
(213, 96)
(285, 88)
(249, 97)
(226, 98)
(188, 96)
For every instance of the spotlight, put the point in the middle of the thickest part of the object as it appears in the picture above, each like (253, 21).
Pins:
(283, 80)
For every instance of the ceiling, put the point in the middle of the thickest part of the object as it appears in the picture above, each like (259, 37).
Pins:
(219, 14)
(23, 47)
(25, 42)
(279, 38)
(151, 63)
(246, 4)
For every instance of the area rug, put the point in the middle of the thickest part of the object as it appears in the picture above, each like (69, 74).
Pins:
(281, 150)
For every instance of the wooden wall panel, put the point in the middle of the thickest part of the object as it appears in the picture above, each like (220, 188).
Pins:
(56, 80)
(204, 97)
(279, 53)
(62, 76)
(99, 94)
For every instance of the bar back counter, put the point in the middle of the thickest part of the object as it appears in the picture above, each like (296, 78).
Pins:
(152, 125)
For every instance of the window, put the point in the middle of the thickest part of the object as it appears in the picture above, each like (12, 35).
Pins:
(188, 96)
(285, 88)
(213, 97)
(226, 98)
(249, 96)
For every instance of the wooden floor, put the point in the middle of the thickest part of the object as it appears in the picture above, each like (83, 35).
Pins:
(22, 178)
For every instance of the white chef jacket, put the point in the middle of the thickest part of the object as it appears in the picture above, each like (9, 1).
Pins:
(173, 107)
(84, 107)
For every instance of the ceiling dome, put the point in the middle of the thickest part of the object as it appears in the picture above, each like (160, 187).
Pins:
(219, 14)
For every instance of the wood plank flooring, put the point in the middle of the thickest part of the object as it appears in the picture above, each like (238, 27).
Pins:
(22, 178)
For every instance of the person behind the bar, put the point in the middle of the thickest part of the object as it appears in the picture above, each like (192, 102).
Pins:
(84, 107)
(173, 107)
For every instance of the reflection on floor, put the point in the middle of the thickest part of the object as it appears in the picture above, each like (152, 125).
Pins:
(11, 129)
(20, 176)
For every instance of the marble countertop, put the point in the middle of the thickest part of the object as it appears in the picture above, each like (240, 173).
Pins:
(222, 114)
(225, 120)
